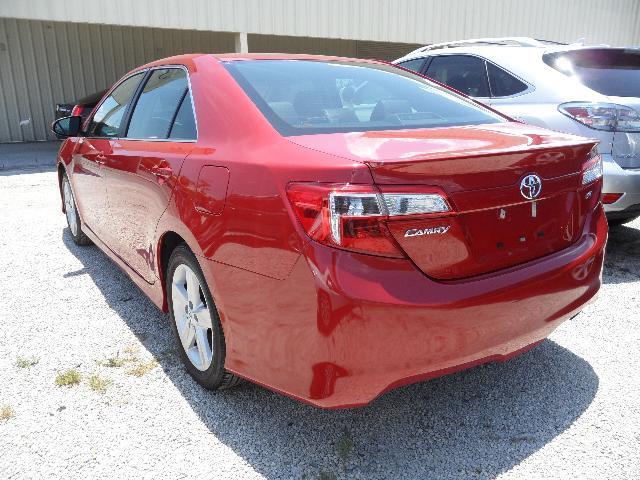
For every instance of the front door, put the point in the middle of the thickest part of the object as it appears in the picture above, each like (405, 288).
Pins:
(88, 182)
(143, 166)
(91, 154)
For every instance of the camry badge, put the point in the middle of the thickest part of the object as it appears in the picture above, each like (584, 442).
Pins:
(531, 186)
(416, 232)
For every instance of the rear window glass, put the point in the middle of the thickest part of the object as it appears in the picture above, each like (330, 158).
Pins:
(184, 126)
(157, 105)
(614, 72)
(301, 97)
(502, 83)
(415, 64)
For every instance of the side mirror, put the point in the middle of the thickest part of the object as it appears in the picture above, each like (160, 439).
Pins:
(67, 126)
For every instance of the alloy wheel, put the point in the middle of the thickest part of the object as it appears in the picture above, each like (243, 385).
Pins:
(70, 207)
(192, 316)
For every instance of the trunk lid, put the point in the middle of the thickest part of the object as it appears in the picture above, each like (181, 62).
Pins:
(480, 169)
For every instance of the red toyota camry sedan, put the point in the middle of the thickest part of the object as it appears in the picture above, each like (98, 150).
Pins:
(332, 228)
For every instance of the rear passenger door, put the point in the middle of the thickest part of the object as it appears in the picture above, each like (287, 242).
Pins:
(144, 164)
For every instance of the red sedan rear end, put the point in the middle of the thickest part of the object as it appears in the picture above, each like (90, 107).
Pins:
(348, 226)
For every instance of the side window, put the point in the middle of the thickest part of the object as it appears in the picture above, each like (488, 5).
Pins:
(184, 125)
(465, 73)
(157, 104)
(415, 64)
(107, 119)
(503, 83)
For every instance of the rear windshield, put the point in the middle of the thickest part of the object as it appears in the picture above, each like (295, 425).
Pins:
(301, 97)
(609, 71)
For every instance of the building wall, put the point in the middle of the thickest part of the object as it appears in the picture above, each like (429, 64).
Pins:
(53, 52)
(329, 46)
(44, 63)
(615, 22)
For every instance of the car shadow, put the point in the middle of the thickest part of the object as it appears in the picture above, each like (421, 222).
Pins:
(477, 423)
(622, 260)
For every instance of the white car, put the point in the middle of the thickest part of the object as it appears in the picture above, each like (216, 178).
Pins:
(593, 91)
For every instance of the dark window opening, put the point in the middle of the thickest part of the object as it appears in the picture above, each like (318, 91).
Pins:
(465, 73)
(502, 83)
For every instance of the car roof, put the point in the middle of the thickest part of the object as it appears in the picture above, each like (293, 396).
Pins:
(500, 46)
(188, 58)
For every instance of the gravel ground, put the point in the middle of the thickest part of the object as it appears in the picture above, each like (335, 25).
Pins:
(568, 409)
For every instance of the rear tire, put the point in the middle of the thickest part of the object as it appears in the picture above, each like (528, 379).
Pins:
(195, 322)
(71, 212)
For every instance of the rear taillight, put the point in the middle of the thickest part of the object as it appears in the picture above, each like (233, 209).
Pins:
(77, 111)
(609, 198)
(603, 116)
(592, 169)
(353, 216)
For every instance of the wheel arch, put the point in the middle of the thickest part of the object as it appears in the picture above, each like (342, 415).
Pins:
(166, 245)
(62, 171)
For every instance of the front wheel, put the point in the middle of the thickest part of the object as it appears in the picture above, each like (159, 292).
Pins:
(195, 322)
(71, 211)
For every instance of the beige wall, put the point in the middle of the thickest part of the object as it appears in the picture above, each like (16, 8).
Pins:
(616, 22)
(53, 51)
(329, 46)
(44, 63)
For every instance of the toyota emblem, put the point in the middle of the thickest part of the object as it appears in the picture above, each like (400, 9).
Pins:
(531, 186)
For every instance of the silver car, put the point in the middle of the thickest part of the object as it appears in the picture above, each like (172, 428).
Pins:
(593, 91)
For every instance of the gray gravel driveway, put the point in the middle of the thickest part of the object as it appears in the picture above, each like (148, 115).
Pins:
(570, 408)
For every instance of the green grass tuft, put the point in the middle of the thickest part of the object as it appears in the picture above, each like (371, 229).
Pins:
(130, 352)
(26, 362)
(68, 378)
(6, 412)
(143, 368)
(113, 362)
(99, 384)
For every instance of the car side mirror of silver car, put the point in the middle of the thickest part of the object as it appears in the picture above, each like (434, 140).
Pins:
(67, 126)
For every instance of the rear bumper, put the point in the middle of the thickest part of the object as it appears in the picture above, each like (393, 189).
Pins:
(620, 180)
(347, 327)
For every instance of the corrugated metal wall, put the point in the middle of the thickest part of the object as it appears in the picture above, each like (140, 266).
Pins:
(46, 59)
(44, 63)
(329, 46)
(409, 21)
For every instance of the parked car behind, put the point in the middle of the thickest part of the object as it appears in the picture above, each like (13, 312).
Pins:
(81, 107)
(333, 228)
(593, 91)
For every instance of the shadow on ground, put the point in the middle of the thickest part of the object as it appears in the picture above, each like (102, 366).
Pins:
(477, 423)
(622, 260)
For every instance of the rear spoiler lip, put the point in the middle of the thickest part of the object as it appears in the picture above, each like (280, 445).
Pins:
(587, 142)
